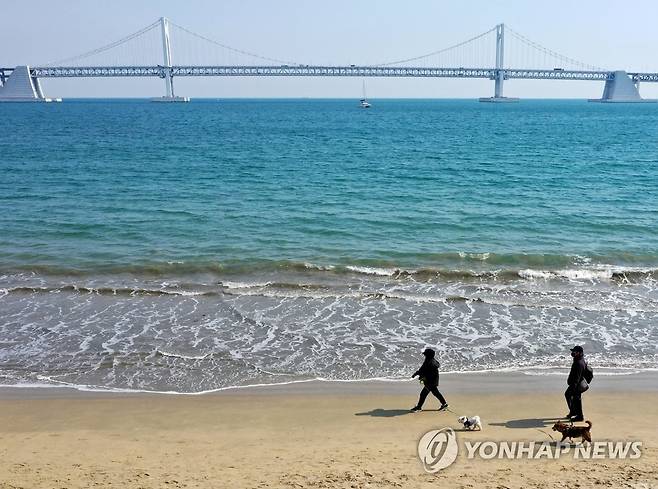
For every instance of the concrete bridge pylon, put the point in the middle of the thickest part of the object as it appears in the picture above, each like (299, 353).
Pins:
(21, 86)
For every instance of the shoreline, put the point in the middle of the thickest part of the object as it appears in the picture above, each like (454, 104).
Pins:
(489, 382)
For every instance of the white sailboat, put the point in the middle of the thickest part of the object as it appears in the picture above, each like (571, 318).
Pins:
(364, 104)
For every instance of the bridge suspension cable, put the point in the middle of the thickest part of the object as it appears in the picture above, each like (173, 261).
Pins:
(107, 47)
(229, 48)
(549, 55)
(440, 51)
(144, 48)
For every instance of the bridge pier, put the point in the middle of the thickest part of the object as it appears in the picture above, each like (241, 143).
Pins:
(621, 88)
(499, 74)
(21, 86)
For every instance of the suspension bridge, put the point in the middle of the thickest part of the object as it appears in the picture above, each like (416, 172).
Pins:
(149, 53)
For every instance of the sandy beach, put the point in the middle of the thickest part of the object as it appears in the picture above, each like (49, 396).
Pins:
(316, 434)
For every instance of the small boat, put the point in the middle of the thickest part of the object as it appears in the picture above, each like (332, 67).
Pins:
(364, 104)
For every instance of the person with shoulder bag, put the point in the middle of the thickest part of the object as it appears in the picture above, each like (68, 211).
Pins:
(578, 381)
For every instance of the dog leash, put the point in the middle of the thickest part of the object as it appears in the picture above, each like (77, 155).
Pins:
(547, 434)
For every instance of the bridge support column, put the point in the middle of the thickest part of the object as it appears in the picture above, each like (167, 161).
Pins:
(21, 86)
(499, 73)
(168, 76)
(620, 88)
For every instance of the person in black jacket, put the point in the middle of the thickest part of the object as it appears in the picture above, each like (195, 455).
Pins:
(429, 375)
(574, 391)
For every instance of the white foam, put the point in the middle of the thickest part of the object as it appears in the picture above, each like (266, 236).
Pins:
(180, 355)
(535, 274)
(97, 388)
(113, 390)
(243, 285)
(313, 266)
(184, 293)
(585, 274)
(594, 273)
(475, 256)
(383, 272)
(570, 274)
(333, 338)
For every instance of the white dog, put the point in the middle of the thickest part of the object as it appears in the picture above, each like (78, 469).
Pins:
(470, 423)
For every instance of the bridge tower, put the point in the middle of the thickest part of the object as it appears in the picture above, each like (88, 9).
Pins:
(168, 75)
(499, 71)
(500, 60)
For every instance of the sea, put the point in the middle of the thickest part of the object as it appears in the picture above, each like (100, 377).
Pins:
(188, 248)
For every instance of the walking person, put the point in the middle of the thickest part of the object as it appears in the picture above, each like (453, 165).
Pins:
(577, 383)
(429, 375)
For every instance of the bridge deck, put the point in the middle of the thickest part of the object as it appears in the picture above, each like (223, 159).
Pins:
(308, 70)
(317, 71)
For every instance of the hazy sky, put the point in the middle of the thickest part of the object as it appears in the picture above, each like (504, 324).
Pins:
(601, 32)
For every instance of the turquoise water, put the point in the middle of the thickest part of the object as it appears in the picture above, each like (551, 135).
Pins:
(346, 233)
(96, 184)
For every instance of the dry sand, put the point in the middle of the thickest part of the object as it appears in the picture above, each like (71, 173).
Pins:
(318, 434)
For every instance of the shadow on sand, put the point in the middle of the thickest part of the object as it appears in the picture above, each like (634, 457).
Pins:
(384, 413)
(527, 423)
(390, 413)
